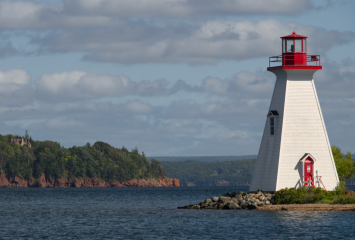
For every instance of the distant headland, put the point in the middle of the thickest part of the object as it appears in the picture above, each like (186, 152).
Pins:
(28, 163)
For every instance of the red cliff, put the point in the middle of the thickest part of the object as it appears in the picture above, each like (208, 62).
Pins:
(4, 182)
(85, 182)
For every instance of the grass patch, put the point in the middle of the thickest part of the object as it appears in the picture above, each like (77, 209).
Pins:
(305, 195)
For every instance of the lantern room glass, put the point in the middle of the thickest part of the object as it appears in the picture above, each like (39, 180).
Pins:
(289, 45)
(298, 45)
(294, 45)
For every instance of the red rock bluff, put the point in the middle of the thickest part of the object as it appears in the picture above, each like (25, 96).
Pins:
(16, 182)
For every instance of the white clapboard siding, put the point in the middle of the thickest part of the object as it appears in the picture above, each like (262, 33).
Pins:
(299, 129)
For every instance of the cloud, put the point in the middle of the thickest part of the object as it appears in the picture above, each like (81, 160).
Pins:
(217, 116)
(13, 80)
(186, 8)
(215, 86)
(15, 87)
(187, 42)
(7, 50)
(78, 85)
(336, 80)
(175, 127)
(137, 107)
(218, 113)
(17, 14)
(243, 84)
(239, 134)
(132, 32)
(152, 88)
(56, 112)
(82, 85)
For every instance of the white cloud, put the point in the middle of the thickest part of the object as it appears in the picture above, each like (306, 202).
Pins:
(137, 107)
(260, 83)
(132, 32)
(14, 79)
(193, 43)
(78, 85)
(243, 84)
(187, 8)
(15, 87)
(20, 14)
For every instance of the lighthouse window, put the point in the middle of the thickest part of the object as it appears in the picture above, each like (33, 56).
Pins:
(298, 45)
(283, 45)
(272, 126)
(290, 46)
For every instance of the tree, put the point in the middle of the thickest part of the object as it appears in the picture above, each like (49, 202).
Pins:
(26, 135)
(344, 164)
(100, 161)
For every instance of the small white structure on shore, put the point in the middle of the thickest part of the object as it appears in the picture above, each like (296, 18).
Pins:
(295, 148)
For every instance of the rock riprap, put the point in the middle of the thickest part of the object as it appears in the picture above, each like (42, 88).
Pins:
(234, 201)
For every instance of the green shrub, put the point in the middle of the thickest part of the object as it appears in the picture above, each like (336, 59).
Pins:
(313, 195)
(301, 195)
(326, 200)
(345, 199)
(340, 189)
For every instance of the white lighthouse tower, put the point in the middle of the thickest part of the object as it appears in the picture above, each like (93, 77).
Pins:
(295, 148)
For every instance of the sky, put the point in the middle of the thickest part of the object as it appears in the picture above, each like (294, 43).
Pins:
(171, 77)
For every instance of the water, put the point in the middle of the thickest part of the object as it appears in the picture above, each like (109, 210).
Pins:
(151, 213)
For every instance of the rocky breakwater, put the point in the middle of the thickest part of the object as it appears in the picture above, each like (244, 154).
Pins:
(234, 201)
(43, 181)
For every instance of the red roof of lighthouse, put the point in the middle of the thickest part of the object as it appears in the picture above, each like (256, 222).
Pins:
(294, 35)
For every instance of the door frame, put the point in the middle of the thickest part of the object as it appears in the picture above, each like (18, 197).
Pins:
(307, 158)
(308, 162)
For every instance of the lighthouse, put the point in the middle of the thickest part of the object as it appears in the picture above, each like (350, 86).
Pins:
(295, 149)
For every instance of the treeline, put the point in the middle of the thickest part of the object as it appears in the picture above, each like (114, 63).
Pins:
(191, 172)
(100, 161)
(204, 158)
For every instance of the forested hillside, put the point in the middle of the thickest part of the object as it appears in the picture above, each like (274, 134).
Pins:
(204, 158)
(100, 161)
(223, 173)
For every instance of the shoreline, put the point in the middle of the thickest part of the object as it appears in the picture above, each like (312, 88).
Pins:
(309, 207)
(43, 182)
(315, 207)
(261, 201)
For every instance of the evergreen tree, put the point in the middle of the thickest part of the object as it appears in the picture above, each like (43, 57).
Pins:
(100, 161)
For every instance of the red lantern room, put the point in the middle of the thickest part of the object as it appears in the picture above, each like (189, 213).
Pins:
(294, 54)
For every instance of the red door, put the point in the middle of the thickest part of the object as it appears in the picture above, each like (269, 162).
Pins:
(308, 170)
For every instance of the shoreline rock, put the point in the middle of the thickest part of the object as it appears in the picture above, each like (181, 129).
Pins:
(16, 182)
(234, 201)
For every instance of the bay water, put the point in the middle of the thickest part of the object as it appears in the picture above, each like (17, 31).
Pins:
(151, 213)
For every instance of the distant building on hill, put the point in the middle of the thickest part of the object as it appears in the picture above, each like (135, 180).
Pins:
(21, 142)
